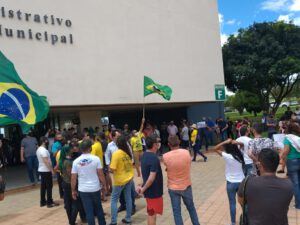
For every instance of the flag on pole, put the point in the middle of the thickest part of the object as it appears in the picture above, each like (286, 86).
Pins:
(18, 103)
(151, 87)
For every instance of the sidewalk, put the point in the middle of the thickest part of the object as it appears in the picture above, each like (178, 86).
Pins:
(215, 210)
(208, 189)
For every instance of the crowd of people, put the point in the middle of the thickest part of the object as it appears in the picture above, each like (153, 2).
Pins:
(96, 164)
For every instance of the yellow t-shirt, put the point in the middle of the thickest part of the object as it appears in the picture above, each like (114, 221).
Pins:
(97, 151)
(194, 136)
(136, 142)
(121, 164)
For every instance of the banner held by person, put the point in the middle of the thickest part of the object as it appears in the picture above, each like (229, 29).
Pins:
(18, 103)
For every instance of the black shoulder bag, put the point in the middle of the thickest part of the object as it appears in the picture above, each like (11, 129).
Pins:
(244, 215)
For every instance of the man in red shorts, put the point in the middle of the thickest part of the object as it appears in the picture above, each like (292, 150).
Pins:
(152, 187)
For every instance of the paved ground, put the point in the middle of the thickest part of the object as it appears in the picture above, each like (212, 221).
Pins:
(208, 189)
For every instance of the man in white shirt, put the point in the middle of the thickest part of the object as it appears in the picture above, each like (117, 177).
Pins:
(244, 139)
(172, 128)
(111, 147)
(46, 171)
(185, 136)
(88, 169)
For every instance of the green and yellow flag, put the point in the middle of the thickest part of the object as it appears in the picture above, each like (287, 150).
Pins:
(151, 87)
(18, 103)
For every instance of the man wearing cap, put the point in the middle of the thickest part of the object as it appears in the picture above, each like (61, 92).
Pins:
(88, 169)
(195, 143)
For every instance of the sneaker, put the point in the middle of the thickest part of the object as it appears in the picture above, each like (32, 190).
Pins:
(121, 208)
(133, 211)
(205, 159)
(51, 205)
(125, 221)
(42, 204)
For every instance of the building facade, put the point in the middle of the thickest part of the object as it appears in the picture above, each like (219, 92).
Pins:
(89, 58)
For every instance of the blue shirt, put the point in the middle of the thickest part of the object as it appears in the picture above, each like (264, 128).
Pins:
(56, 147)
(150, 163)
(210, 124)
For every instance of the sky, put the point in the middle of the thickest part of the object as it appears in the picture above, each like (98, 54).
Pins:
(236, 14)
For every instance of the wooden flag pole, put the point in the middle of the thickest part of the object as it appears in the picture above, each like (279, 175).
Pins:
(144, 98)
(144, 108)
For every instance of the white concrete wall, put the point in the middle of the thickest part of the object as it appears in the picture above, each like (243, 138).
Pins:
(90, 119)
(116, 43)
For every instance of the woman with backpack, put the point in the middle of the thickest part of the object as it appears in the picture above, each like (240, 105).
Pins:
(291, 154)
(234, 171)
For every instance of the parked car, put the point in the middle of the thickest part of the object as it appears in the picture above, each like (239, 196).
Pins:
(285, 103)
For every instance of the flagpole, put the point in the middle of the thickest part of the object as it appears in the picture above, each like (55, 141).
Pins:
(144, 98)
(144, 108)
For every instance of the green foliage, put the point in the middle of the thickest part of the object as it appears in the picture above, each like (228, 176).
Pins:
(246, 100)
(264, 60)
(238, 102)
(228, 101)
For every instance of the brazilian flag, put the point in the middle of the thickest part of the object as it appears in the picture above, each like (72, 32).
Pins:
(151, 87)
(18, 103)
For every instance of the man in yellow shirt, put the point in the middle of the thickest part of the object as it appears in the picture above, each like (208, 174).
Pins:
(195, 143)
(97, 151)
(137, 146)
(96, 148)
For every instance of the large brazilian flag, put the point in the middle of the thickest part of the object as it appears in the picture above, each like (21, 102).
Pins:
(18, 103)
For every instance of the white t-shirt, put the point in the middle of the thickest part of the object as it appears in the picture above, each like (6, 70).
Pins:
(41, 153)
(245, 140)
(172, 129)
(85, 166)
(185, 133)
(234, 169)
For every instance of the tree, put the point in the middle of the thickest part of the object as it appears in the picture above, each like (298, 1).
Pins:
(228, 101)
(252, 104)
(238, 102)
(264, 60)
(246, 100)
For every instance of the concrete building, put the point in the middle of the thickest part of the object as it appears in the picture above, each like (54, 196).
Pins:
(89, 57)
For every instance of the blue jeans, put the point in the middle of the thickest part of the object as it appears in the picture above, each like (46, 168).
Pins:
(196, 149)
(205, 137)
(32, 166)
(223, 135)
(92, 204)
(133, 196)
(248, 169)
(187, 196)
(232, 189)
(116, 192)
(293, 168)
